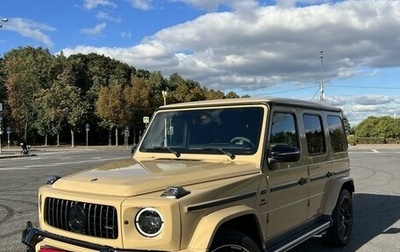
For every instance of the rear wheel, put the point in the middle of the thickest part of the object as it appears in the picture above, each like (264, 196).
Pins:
(339, 233)
(233, 241)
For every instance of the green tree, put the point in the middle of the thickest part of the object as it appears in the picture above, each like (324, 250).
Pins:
(382, 127)
(32, 82)
(110, 108)
(62, 104)
(196, 93)
(3, 93)
(347, 126)
(139, 103)
(213, 95)
(231, 94)
(156, 83)
(367, 128)
(45, 123)
(28, 70)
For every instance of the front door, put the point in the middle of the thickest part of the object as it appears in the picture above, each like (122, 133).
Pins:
(287, 200)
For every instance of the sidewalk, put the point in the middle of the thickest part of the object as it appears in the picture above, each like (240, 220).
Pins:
(9, 153)
(15, 151)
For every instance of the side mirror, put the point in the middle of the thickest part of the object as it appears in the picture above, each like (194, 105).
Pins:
(284, 153)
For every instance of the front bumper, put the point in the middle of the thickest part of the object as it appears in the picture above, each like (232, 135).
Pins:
(31, 236)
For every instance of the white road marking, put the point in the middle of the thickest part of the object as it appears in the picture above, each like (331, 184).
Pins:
(13, 168)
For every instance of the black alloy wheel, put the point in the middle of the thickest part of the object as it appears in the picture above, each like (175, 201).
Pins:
(342, 217)
(233, 241)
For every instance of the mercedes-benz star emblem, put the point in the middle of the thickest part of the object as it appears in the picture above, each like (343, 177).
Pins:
(77, 219)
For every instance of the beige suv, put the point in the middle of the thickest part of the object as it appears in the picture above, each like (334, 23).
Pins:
(224, 175)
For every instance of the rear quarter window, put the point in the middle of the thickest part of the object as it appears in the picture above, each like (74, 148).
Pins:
(337, 133)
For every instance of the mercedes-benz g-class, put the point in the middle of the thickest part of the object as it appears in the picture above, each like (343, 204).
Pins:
(250, 174)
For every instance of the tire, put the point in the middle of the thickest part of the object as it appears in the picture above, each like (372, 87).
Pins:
(233, 241)
(342, 221)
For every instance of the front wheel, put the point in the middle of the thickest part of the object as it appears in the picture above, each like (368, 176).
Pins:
(233, 241)
(342, 220)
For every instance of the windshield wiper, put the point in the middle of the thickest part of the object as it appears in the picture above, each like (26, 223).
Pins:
(177, 154)
(231, 155)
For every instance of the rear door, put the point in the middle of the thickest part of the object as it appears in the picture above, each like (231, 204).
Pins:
(327, 152)
(318, 158)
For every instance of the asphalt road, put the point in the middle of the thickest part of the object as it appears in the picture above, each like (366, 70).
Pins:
(376, 204)
(21, 177)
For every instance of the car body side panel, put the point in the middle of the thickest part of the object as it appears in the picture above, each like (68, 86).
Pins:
(286, 200)
(334, 187)
(208, 225)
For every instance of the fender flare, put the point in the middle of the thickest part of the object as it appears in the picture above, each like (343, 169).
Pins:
(207, 227)
(334, 188)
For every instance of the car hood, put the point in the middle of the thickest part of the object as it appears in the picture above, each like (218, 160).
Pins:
(129, 177)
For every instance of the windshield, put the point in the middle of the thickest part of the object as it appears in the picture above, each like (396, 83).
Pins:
(227, 131)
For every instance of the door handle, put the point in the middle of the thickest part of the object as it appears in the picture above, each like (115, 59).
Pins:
(302, 181)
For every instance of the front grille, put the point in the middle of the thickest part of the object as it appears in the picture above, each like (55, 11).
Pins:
(79, 217)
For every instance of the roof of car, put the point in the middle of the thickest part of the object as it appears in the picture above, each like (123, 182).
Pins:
(249, 101)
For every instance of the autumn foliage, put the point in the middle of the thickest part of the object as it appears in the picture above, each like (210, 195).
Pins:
(53, 97)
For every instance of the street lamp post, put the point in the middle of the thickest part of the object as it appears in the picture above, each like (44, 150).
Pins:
(164, 94)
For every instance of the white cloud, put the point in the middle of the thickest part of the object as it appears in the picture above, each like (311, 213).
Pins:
(126, 35)
(91, 4)
(373, 99)
(397, 100)
(95, 31)
(256, 47)
(364, 108)
(283, 43)
(213, 5)
(105, 16)
(31, 29)
(141, 4)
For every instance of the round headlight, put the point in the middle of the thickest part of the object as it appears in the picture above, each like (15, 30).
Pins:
(149, 222)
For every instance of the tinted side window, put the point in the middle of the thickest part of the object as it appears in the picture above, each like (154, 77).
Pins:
(337, 134)
(314, 134)
(283, 129)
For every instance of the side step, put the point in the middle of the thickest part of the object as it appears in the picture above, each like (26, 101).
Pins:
(297, 236)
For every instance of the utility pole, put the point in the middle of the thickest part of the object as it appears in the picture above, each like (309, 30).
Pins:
(321, 87)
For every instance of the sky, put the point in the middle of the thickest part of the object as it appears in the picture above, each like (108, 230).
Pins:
(257, 48)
